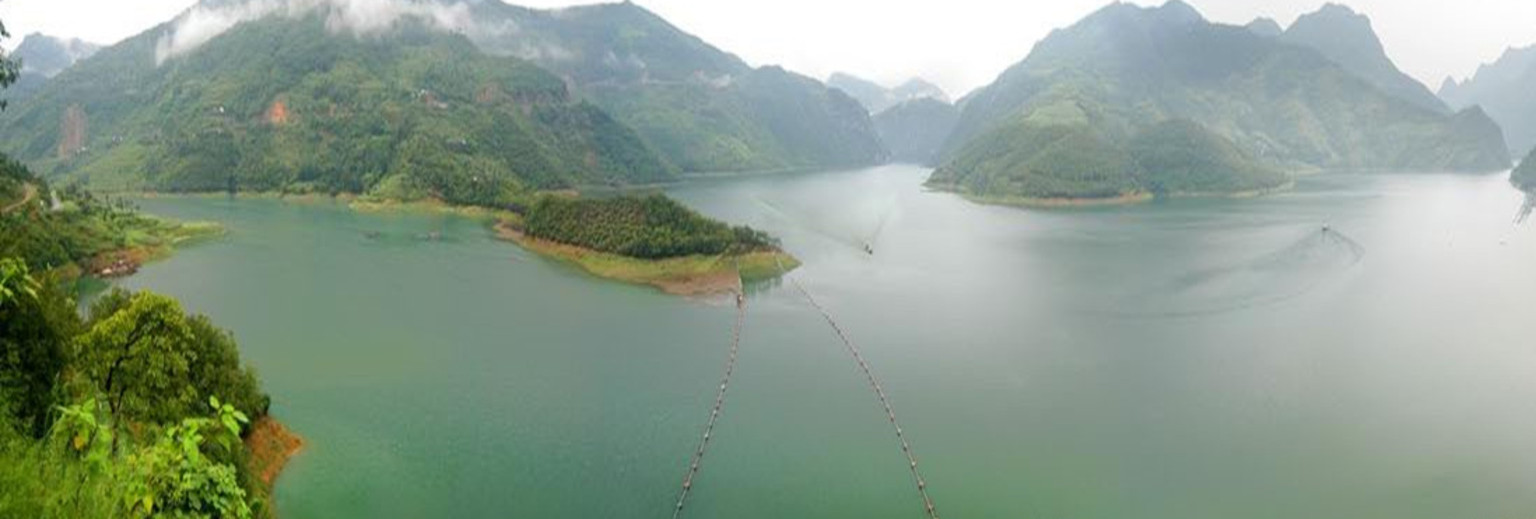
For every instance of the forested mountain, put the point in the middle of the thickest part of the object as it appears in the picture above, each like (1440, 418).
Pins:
(703, 109)
(1347, 38)
(1507, 90)
(42, 57)
(1525, 175)
(915, 130)
(877, 98)
(286, 103)
(1064, 123)
(462, 100)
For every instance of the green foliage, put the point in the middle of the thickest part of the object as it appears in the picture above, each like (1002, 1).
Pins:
(702, 109)
(1179, 156)
(175, 477)
(313, 110)
(1114, 76)
(138, 442)
(36, 323)
(152, 361)
(10, 70)
(83, 228)
(650, 227)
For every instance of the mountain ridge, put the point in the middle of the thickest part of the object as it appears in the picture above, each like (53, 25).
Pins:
(1502, 88)
(1084, 93)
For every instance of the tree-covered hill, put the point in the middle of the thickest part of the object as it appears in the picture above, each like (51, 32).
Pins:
(42, 57)
(703, 109)
(1068, 117)
(286, 103)
(649, 227)
(915, 130)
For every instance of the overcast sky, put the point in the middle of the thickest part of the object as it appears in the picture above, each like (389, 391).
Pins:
(959, 44)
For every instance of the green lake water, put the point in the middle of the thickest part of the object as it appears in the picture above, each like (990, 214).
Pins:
(1193, 359)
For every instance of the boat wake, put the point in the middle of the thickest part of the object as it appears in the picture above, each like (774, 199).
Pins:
(1288, 273)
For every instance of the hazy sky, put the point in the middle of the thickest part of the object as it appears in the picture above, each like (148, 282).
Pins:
(959, 44)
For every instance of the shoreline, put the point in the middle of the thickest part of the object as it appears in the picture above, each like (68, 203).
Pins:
(271, 446)
(1127, 199)
(689, 276)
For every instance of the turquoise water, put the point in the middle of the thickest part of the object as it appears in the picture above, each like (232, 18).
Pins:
(1188, 359)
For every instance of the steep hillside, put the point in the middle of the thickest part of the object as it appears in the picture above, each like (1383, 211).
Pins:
(1347, 38)
(1075, 107)
(703, 109)
(915, 130)
(1505, 89)
(290, 103)
(48, 55)
(43, 57)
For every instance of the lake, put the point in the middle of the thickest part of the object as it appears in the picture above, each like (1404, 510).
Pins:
(1186, 359)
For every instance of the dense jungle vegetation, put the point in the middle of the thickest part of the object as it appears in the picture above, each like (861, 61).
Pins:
(650, 227)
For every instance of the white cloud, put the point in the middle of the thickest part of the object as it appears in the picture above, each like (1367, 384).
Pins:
(201, 23)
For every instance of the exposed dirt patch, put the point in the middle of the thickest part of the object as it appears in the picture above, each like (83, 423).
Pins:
(72, 131)
(271, 445)
(277, 115)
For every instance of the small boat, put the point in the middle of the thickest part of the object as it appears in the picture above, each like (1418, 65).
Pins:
(869, 250)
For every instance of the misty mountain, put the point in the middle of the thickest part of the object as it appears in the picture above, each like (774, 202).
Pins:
(915, 130)
(48, 55)
(1347, 38)
(290, 103)
(1069, 120)
(43, 57)
(1266, 27)
(877, 98)
(703, 109)
(1525, 175)
(1507, 90)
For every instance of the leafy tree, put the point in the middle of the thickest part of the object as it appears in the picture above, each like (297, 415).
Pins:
(36, 322)
(10, 70)
(151, 360)
(176, 477)
(139, 360)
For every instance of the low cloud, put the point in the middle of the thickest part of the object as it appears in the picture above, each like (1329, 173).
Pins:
(204, 22)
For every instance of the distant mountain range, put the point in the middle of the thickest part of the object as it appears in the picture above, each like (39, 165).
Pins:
(466, 101)
(1230, 105)
(915, 130)
(877, 98)
(479, 102)
(1348, 39)
(1507, 90)
(42, 57)
(703, 109)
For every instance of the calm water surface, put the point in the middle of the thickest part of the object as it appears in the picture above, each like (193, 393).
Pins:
(1183, 360)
